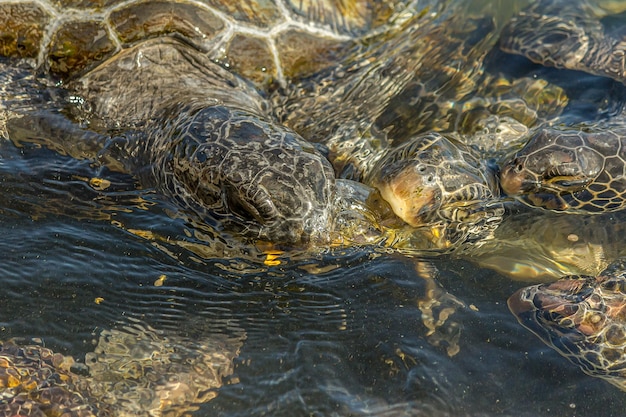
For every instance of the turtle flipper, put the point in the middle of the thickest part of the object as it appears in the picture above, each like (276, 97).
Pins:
(32, 112)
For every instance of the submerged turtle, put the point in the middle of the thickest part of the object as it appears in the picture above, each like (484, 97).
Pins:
(572, 37)
(213, 101)
(583, 317)
(135, 370)
(190, 112)
(161, 103)
(578, 168)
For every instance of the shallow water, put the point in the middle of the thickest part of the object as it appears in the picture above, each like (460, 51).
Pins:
(334, 333)
(347, 342)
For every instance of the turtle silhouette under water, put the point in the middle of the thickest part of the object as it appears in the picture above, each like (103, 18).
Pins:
(133, 370)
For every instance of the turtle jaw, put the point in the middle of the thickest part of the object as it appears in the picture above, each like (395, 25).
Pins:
(517, 182)
(558, 299)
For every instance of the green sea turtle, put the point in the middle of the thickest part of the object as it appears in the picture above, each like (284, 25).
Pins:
(583, 318)
(570, 35)
(571, 169)
(577, 168)
(222, 108)
(246, 112)
(133, 370)
(154, 74)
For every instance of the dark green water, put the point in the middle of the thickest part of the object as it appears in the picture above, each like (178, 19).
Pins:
(339, 333)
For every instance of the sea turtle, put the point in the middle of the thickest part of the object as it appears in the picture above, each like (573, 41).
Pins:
(573, 37)
(583, 318)
(133, 370)
(212, 101)
(575, 168)
(581, 167)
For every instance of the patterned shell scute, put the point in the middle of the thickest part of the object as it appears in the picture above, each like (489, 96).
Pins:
(98, 5)
(265, 41)
(251, 57)
(139, 21)
(318, 52)
(343, 16)
(260, 13)
(22, 27)
(76, 45)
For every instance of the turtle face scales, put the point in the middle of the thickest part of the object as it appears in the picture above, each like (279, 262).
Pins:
(569, 170)
(235, 163)
(581, 317)
(433, 182)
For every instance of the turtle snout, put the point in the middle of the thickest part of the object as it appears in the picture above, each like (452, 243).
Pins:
(412, 190)
(512, 178)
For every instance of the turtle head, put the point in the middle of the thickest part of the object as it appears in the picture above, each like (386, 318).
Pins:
(291, 203)
(263, 179)
(583, 318)
(412, 189)
(432, 181)
(551, 168)
(563, 38)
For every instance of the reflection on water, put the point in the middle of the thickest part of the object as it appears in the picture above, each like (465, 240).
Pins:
(345, 332)
(338, 334)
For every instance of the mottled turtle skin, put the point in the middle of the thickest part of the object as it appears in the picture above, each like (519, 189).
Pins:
(583, 318)
(133, 371)
(569, 168)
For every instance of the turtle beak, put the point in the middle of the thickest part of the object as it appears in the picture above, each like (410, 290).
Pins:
(513, 181)
(409, 196)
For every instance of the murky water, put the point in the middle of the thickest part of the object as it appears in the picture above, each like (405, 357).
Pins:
(337, 333)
